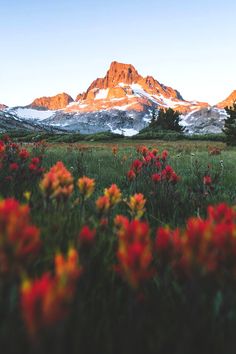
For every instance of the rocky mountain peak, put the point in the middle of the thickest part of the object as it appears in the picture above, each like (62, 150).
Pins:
(59, 101)
(228, 101)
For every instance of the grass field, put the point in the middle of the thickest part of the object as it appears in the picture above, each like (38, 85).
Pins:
(85, 280)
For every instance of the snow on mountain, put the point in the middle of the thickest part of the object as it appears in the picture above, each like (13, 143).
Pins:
(30, 114)
(122, 101)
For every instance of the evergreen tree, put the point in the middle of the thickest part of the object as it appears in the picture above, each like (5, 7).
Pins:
(166, 119)
(230, 125)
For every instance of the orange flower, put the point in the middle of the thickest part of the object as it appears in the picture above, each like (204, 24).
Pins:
(45, 301)
(67, 267)
(58, 182)
(136, 204)
(103, 204)
(86, 186)
(19, 240)
(114, 194)
(134, 251)
(114, 150)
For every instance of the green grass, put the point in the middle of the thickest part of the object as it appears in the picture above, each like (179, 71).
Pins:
(167, 315)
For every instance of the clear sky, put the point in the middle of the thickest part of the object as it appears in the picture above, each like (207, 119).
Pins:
(51, 46)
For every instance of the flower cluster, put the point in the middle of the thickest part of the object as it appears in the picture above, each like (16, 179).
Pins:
(17, 166)
(134, 250)
(57, 183)
(136, 204)
(86, 186)
(153, 165)
(19, 239)
(112, 196)
(204, 246)
(46, 300)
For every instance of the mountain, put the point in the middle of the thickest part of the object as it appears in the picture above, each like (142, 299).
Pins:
(228, 102)
(2, 107)
(123, 88)
(122, 102)
(59, 101)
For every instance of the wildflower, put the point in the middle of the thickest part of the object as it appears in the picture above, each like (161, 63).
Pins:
(19, 240)
(58, 182)
(136, 166)
(67, 266)
(103, 204)
(134, 252)
(164, 155)
(86, 186)
(86, 235)
(14, 166)
(136, 204)
(24, 154)
(207, 180)
(45, 301)
(27, 195)
(114, 150)
(2, 147)
(156, 177)
(131, 175)
(38, 303)
(114, 194)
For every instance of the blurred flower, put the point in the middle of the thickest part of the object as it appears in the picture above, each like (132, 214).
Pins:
(131, 175)
(103, 204)
(136, 204)
(19, 240)
(24, 154)
(14, 166)
(86, 235)
(86, 186)
(114, 194)
(134, 251)
(207, 180)
(58, 182)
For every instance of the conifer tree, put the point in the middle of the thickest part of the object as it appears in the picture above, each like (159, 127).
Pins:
(166, 119)
(230, 125)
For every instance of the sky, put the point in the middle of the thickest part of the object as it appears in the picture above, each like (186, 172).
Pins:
(49, 46)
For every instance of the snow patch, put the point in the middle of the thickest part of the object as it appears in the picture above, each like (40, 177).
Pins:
(125, 131)
(102, 94)
(29, 113)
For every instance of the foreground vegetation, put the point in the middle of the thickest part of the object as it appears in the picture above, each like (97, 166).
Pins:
(117, 247)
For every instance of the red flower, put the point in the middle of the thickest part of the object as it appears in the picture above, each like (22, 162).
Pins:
(14, 166)
(134, 251)
(137, 166)
(156, 177)
(207, 180)
(131, 175)
(164, 155)
(86, 235)
(24, 154)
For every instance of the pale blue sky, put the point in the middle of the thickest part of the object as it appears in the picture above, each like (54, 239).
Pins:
(50, 46)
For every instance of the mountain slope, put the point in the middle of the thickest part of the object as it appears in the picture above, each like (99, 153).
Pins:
(228, 102)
